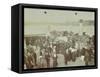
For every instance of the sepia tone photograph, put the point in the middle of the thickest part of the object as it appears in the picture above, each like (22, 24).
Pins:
(58, 38)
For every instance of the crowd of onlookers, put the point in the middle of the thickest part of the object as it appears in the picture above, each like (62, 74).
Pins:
(57, 49)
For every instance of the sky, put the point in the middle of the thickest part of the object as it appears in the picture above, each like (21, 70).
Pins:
(41, 21)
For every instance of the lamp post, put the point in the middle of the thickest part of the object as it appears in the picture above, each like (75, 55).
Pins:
(80, 25)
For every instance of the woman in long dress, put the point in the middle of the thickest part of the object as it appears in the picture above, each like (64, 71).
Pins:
(60, 60)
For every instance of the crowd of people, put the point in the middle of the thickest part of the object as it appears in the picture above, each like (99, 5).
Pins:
(57, 49)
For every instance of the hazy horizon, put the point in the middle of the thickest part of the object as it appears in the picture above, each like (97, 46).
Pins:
(37, 22)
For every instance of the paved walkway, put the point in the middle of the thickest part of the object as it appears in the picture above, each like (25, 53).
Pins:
(79, 62)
